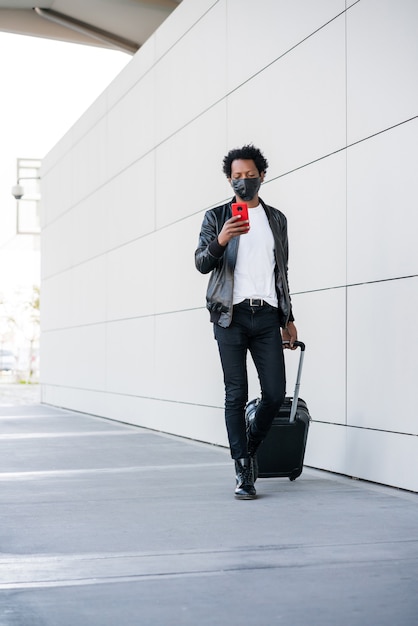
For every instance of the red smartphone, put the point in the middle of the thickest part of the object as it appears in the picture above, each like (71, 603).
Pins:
(240, 208)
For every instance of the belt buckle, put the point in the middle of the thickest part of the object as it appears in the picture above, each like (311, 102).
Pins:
(256, 302)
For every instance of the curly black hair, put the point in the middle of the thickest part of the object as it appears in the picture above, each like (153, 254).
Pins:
(246, 152)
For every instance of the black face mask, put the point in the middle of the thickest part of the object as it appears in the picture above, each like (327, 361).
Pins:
(246, 188)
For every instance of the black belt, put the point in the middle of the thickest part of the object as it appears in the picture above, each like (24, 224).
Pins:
(255, 302)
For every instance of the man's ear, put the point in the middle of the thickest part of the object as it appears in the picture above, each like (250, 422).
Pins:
(262, 175)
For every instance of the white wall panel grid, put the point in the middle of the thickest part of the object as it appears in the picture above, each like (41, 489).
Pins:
(57, 185)
(320, 318)
(382, 191)
(190, 79)
(57, 298)
(88, 301)
(132, 73)
(131, 126)
(291, 22)
(313, 199)
(75, 297)
(125, 332)
(75, 357)
(301, 100)
(90, 155)
(179, 286)
(186, 358)
(186, 420)
(184, 18)
(382, 339)
(61, 150)
(76, 399)
(57, 246)
(326, 448)
(388, 458)
(382, 65)
(75, 237)
(87, 122)
(381, 457)
(130, 357)
(131, 285)
(191, 160)
(129, 199)
(86, 223)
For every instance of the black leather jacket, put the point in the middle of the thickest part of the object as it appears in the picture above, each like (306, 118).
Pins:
(210, 256)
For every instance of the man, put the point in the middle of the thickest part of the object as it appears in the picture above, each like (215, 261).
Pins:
(248, 299)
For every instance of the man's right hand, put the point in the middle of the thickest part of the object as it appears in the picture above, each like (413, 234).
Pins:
(233, 227)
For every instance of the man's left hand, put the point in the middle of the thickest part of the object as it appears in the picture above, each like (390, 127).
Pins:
(290, 334)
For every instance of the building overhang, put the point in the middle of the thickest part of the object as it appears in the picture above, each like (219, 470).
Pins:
(118, 24)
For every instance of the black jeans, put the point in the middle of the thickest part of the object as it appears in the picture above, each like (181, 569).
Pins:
(257, 330)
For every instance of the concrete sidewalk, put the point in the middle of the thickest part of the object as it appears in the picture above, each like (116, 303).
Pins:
(105, 524)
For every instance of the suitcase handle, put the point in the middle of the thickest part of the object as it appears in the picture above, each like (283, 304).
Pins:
(293, 410)
(298, 344)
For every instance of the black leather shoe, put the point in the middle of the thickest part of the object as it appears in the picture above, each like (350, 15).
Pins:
(245, 489)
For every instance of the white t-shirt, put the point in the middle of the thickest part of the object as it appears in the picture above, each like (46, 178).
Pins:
(254, 269)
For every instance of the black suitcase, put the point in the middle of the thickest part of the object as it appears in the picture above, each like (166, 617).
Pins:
(283, 450)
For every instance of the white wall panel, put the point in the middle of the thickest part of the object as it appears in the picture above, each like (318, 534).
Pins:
(57, 188)
(187, 420)
(186, 358)
(183, 19)
(130, 357)
(86, 123)
(57, 246)
(87, 227)
(83, 400)
(130, 280)
(387, 458)
(58, 153)
(198, 171)
(382, 457)
(321, 323)
(295, 109)
(190, 79)
(131, 74)
(74, 297)
(383, 338)
(76, 357)
(129, 202)
(90, 161)
(130, 126)
(57, 298)
(327, 448)
(314, 202)
(179, 286)
(382, 191)
(382, 65)
(291, 21)
(88, 301)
